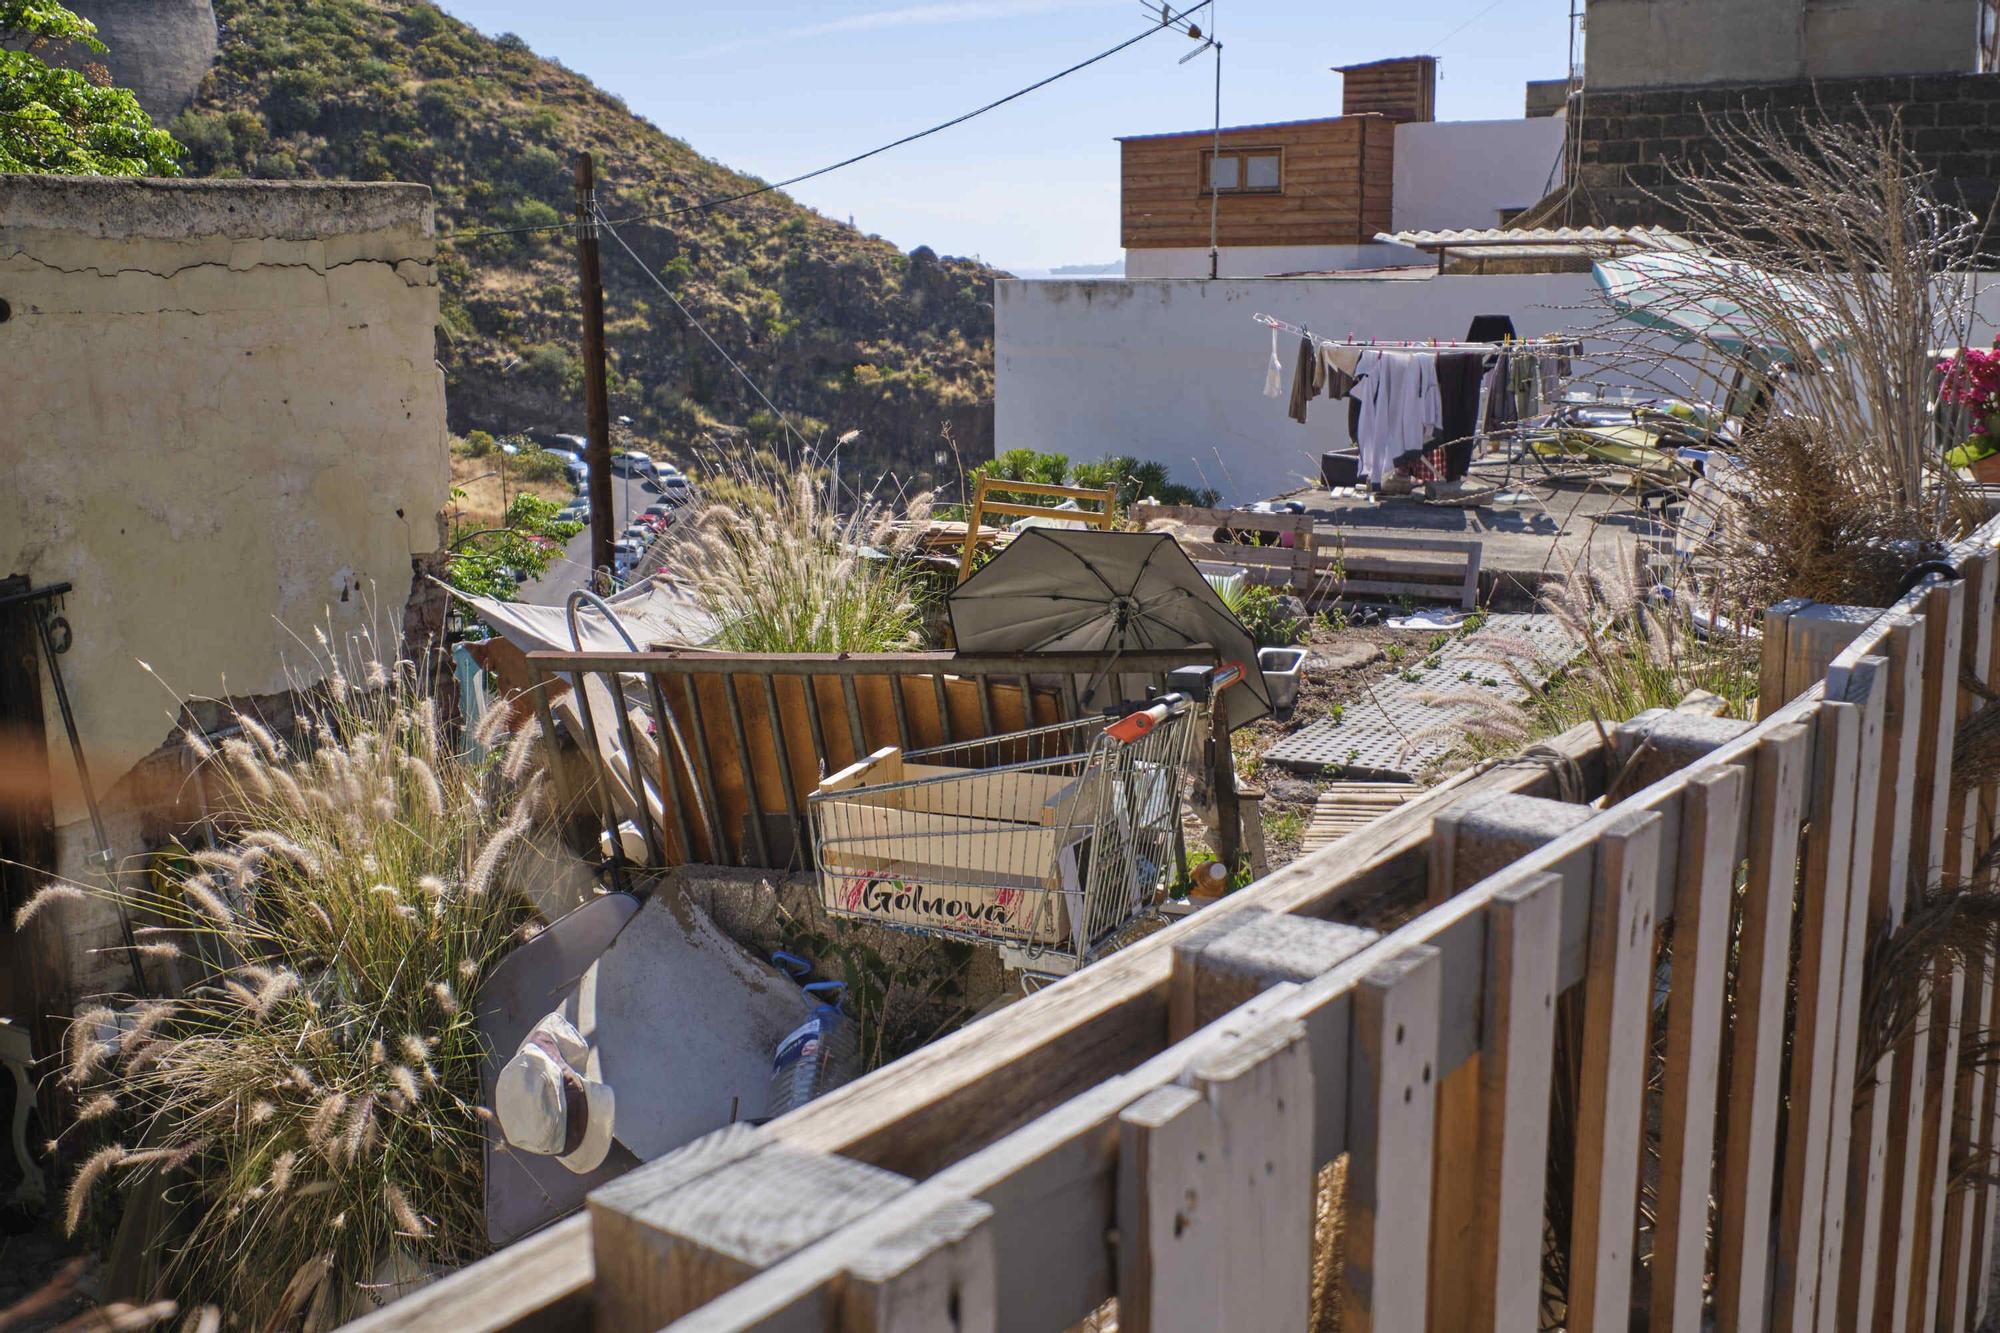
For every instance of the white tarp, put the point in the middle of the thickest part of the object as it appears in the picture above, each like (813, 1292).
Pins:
(653, 612)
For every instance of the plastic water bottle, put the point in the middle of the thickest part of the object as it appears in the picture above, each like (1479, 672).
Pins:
(819, 1054)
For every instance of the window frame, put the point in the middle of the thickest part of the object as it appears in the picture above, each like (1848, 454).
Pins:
(1205, 172)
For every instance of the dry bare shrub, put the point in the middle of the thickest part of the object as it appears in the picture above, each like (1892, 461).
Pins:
(1806, 523)
(357, 897)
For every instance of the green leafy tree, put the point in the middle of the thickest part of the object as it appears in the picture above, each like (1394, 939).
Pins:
(64, 121)
(527, 542)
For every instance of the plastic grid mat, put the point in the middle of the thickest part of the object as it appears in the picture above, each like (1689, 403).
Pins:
(1414, 716)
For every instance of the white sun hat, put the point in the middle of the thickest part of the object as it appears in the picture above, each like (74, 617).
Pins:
(547, 1105)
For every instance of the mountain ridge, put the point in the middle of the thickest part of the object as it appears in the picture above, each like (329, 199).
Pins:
(843, 330)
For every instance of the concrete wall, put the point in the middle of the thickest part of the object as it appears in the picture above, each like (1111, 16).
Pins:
(1258, 261)
(1466, 173)
(220, 415)
(160, 49)
(1174, 370)
(1685, 43)
(1628, 141)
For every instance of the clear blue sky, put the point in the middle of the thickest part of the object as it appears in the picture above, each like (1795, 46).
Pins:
(776, 87)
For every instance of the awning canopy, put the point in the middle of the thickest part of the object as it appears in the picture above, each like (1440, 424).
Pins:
(1539, 242)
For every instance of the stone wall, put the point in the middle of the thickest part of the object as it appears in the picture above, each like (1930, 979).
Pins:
(222, 422)
(160, 49)
(1627, 140)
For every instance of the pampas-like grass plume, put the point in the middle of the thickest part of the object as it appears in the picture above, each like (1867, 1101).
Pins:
(94, 1169)
(48, 893)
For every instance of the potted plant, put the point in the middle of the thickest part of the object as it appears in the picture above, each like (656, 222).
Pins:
(1971, 380)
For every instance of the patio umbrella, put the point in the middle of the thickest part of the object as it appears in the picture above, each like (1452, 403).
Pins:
(1685, 294)
(1058, 590)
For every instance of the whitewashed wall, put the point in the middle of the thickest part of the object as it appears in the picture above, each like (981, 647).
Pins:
(1259, 261)
(1174, 370)
(1464, 173)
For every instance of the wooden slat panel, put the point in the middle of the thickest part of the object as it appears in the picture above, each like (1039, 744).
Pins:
(1390, 1113)
(1757, 1036)
(1170, 1227)
(1942, 1090)
(1822, 912)
(1711, 811)
(1617, 987)
(1523, 928)
(1162, 203)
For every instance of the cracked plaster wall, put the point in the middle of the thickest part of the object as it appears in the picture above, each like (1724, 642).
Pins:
(220, 414)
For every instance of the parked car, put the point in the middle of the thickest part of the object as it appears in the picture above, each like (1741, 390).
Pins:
(569, 457)
(674, 489)
(631, 463)
(575, 512)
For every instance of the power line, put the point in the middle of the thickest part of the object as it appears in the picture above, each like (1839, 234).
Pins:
(1168, 21)
(1468, 23)
(611, 230)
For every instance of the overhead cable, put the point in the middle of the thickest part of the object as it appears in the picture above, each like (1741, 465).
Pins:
(611, 230)
(1169, 21)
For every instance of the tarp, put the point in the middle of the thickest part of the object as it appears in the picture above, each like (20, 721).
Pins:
(1686, 294)
(652, 611)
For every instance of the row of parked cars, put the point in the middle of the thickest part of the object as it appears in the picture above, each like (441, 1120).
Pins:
(655, 477)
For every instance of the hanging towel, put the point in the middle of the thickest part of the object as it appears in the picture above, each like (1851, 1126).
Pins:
(1274, 374)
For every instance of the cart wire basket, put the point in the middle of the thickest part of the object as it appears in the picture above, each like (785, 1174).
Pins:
(1050, 840)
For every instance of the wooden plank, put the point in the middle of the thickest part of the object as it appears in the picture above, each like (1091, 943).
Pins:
(1822, 910)
(936, 1273)
(1866, 686)
(1523, 926)
(1959, 1275)
(1947, 1005)
(1260, 1091)
(1750, 1116)
(1170, 1222)
(1617, 988)
(1711, 812)
(540, 1284)
(1391, 1106)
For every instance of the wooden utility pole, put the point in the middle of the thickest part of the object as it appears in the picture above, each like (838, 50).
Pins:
(596, 402)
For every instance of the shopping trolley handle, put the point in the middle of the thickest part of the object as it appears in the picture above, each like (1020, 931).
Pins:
(1202, 683)
(1134, 725)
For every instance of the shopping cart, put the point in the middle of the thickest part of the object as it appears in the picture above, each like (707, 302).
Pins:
(1048, 840)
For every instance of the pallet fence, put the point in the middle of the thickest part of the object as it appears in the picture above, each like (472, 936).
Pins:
(1733, 1143)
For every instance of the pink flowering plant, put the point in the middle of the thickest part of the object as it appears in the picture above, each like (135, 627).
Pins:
(1971, 379)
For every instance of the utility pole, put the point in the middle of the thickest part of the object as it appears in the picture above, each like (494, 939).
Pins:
(597, 403)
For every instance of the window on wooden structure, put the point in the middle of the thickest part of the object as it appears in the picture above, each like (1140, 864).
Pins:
(1243, 171)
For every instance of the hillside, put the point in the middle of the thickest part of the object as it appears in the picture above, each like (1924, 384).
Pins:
(843, 330)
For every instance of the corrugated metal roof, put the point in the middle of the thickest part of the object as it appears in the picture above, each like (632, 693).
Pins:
(1507, 238)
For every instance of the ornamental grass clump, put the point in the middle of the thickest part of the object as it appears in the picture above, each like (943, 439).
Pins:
(309, 1097)
(783, 571)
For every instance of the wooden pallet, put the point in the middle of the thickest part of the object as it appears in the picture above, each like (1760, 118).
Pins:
(1348, 807)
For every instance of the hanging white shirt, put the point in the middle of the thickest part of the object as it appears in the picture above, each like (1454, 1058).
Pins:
(1400, 407)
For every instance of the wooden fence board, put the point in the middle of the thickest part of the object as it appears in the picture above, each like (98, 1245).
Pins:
(1617, 990)
(1170, 1224)
(1516, 1060)
(1822, 909)
(1705, 885)
(1391, 1110)
(1758, 1032)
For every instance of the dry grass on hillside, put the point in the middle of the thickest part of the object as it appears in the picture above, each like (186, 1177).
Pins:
(481, 505)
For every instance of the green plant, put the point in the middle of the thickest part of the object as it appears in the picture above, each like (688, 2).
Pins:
(530, 537)
(783, 573)
(1265, 614)
(1337, 714)
(65, 121)
(309, 1101)
(1394, 652)
(1332, 621)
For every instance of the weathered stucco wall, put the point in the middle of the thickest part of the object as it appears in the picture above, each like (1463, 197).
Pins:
(220, 415)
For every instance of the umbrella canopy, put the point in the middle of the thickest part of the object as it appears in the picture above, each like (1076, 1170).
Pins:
(1058, 590)
(1686, 294)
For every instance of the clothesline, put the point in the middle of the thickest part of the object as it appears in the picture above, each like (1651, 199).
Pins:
(1549, 343)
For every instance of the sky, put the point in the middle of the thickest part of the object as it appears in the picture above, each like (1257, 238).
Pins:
(778, 87)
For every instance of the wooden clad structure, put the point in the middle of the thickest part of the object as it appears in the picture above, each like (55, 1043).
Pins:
(1333, 182)
(1401, 89)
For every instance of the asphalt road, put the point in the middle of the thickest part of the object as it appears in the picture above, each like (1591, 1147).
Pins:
(572, 570)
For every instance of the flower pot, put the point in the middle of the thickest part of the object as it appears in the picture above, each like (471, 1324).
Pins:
(1986, 471)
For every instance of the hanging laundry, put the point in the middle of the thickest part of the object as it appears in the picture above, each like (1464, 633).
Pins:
(1461, 378)
(1400, 408)
(1308, 378)
(1274, 374)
